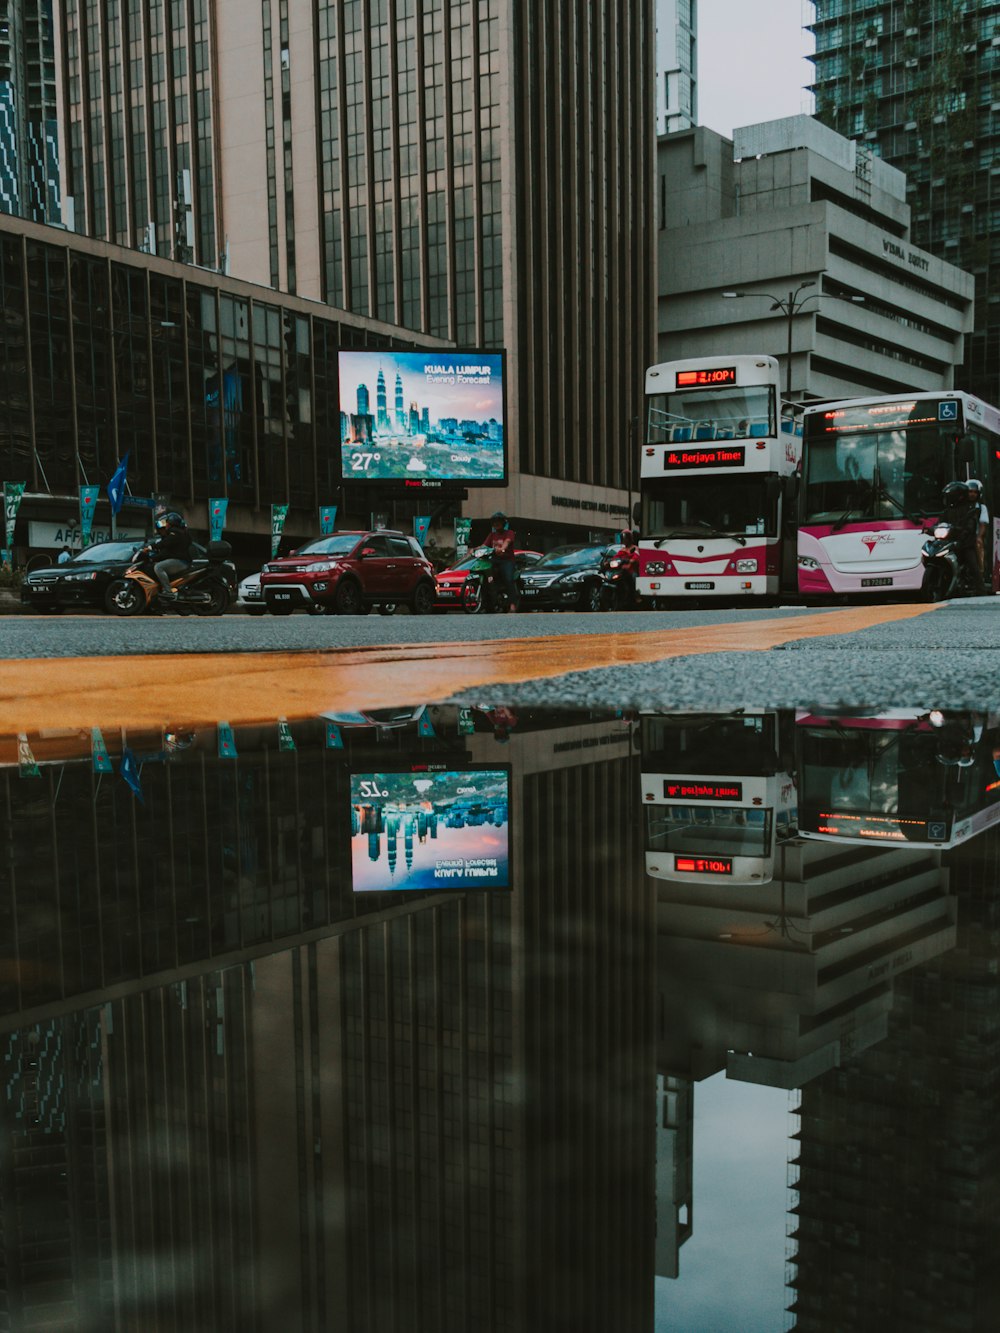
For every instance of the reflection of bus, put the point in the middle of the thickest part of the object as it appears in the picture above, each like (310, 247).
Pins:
(923, 779)
(718, 794)
(873, 472)
(716, 479)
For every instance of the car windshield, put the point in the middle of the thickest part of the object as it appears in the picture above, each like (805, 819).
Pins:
(105, 553)
(465, 563)
(568, 557)
(340, 543)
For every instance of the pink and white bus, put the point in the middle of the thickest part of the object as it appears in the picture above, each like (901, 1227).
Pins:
(717, 481)
(872, 474)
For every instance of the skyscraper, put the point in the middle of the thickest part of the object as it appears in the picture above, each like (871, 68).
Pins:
(479, 172)
(917, 84)
(29, 162)
(676, 65)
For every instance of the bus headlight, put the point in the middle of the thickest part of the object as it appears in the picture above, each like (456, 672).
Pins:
(807, 562)
(656, 567)
(746, 566)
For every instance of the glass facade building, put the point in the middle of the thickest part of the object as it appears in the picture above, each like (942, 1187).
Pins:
(29, 149)
(212, 387)
(919, 85)
(475, 170)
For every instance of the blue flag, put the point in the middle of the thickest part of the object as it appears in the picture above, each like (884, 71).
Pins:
(116, 486)
(130, 771)
(425, 727)
(227, 742)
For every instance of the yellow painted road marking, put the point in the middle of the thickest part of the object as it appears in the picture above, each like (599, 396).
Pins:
(243, 688)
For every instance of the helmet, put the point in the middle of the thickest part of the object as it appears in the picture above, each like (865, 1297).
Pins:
(498, 514)
(955, 493)
(171, 519)
(976, 487)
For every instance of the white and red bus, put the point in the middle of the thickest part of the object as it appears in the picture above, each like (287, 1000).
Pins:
(911, 778)
(718, 794)
(717, 481)
(872, 474)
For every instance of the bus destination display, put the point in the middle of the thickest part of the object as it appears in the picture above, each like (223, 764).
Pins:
(880, 416)
(422, 418)
(703, 865)
(430, 830)
(714, 456)
(702, 791)
(692, 379)
(884, 828)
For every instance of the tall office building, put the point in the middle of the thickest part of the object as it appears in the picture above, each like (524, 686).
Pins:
(29, 164)
(918, 84)
(676, 65)
(477, 172)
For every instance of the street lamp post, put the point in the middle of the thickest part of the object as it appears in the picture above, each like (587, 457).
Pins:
(790, 306)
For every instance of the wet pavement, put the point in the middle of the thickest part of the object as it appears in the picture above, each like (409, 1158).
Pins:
(503, 1017)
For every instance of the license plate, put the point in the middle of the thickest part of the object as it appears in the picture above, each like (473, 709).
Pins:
(699, 587)
(281, 596)
(876, 583)
(446, 592)
(528, 592)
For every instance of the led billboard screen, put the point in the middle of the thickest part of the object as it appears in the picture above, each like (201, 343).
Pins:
(422, 418)
(430, 830)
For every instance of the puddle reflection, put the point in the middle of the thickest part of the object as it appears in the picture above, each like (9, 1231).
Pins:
(397, 1019)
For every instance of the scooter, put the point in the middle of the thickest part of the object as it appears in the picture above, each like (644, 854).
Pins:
(944, 569)
(616, 591)
(483, 590)
(206, 588)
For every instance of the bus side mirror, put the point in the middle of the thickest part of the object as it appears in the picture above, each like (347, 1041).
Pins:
(772, 489)
(964, 450)
(792, 488)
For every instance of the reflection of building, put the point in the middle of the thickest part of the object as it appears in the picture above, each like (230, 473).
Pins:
(674, 1170)
(29, 151)
(892, 1216)
(792, 202)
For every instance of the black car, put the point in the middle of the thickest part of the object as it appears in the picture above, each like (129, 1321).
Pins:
(81, 581)
(569, 576)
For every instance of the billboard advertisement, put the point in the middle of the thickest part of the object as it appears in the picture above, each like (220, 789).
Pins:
(422, 418)
(430, 830)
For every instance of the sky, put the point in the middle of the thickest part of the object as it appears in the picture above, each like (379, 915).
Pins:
(751, 61)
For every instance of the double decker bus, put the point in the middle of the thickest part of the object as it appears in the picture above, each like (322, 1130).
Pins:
(717, 481)
(873, 471)
(718, 794)
(912, 778)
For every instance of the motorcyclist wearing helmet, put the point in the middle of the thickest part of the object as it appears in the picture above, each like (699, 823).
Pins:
(502, 539)
(961, 510)
(171, 550)
(982, 528)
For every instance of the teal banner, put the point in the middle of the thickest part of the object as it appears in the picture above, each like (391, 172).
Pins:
(463, 530)
(421, 526)
(88, 502)
(217, 518)
(327, 519)
(425, 726)
(99, 752)
(26, 764)
(286, 741)
(278, 515)
(334, 740)
(12, 492)
(227, 743)
(466, 722)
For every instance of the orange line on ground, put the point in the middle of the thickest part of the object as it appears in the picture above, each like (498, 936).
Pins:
(200, 689)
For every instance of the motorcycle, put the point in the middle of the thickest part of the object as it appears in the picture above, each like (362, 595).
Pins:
(945, 574)
(616, 590)
(483, 589)
(205, 588)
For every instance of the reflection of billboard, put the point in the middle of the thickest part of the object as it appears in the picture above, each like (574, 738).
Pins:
(422, 417)
(429, 830)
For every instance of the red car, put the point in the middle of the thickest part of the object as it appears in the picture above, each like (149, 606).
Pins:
(349, 573)
(451, 581)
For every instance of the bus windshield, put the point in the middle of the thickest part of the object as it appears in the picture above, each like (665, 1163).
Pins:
(711, 414)
(708, 830)
(876, 474)
(702, 744)
(706, 506)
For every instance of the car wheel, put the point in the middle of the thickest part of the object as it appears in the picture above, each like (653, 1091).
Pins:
(124, 597)
(347, 599)
(423, 599)
(591, 599)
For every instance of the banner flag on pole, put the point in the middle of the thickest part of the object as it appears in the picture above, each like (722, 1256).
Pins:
(217, 518)
(334, 740)
(99, 752)
(129, 769)
(88, 502)
(425, 726)
(227, 742)
(463, 531)
(327, 519)
(466, 722)
(420, 527)
(278, 515)
(26, 762)
(12, 492)
(286, 741)
(116, 486)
